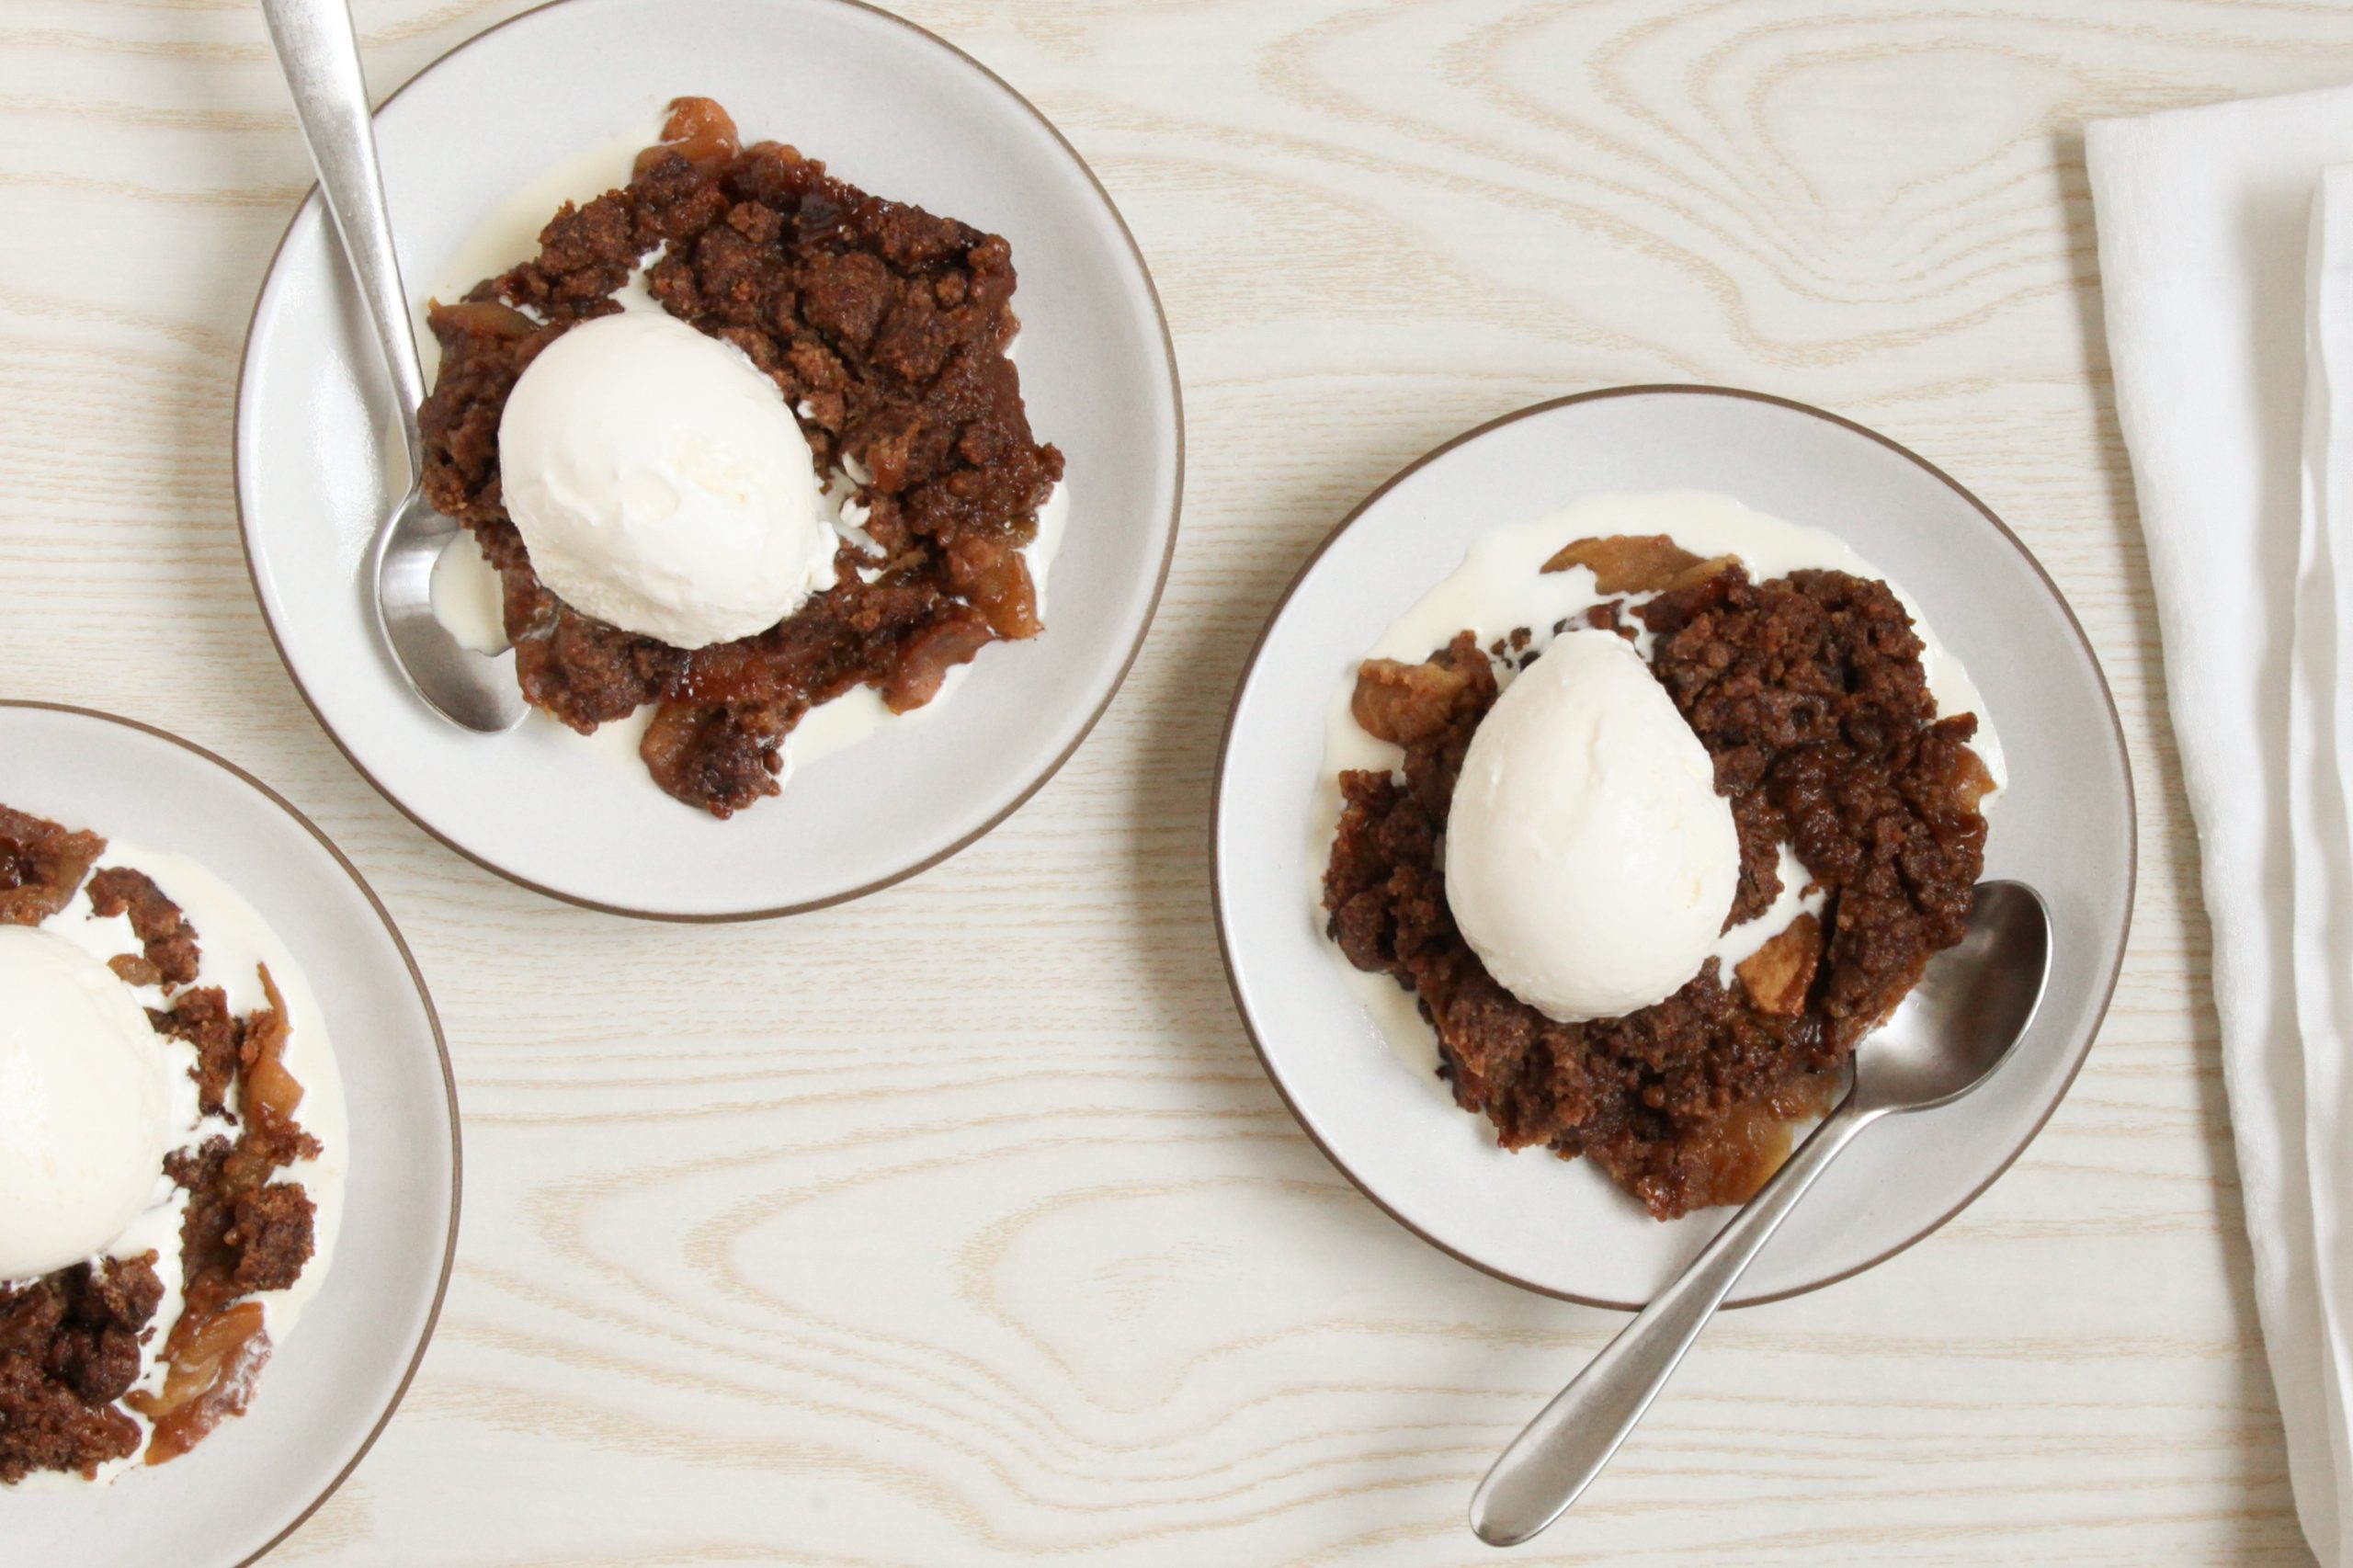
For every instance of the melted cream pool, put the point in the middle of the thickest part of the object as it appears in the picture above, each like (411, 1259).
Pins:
(232, 942)
(1501, 587)
(466, 594)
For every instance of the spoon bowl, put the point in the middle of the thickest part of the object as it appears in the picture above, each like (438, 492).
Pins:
(1972, 1005)
(476, 690)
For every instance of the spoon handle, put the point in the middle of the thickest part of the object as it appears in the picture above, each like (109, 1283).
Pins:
(320, 57)
(1556, 1458)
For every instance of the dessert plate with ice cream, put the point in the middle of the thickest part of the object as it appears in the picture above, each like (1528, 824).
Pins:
(1609, 775)
(228, 1138)
(813, 425)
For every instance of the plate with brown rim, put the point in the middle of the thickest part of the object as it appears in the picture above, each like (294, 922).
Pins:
(509, 117)
(329, 1389)
(2063, 822)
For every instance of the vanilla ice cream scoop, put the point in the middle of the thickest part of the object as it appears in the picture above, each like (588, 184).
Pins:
(1589, 861)
(85, 1105)
(661, 484)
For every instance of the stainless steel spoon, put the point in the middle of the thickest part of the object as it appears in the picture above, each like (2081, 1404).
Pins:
(321, 59)
(1971, 1007)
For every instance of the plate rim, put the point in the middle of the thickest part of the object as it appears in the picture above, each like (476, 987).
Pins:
(1690, 389)
(440, 1048)
(724, 917)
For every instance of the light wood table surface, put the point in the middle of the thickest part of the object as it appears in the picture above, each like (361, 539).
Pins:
(959, 1225)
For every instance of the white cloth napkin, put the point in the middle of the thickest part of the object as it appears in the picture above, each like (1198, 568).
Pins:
(2226, 253)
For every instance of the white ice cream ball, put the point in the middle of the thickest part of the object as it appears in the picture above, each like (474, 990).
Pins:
(85, 1104)
(661, 484)
(1589, 861)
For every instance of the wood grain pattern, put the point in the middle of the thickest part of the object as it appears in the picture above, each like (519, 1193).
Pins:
(1006, 1251)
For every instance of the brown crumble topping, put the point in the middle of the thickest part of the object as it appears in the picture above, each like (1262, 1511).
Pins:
(885, 328)
(1808, 693)
(242, 1232)
(202, 1018)
(167, 940)
(70, 1342)
(41, 865)
(69, 1349)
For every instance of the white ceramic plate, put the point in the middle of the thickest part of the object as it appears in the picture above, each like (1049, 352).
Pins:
(888, 108)
(2064, 824)
(331, 1387)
